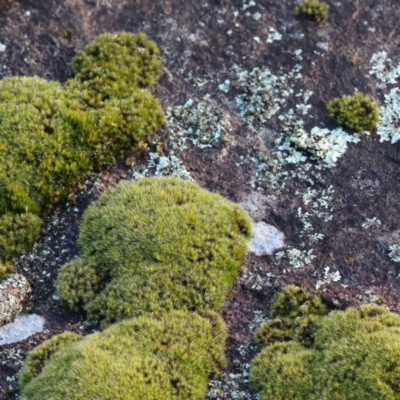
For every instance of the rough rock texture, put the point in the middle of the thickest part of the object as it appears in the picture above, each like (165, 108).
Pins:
(23, 327)
(266, 239)
(340, 223)
(14, 292)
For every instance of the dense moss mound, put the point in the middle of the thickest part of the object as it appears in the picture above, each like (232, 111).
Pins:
(38, 159)
(352, 354)
(18, 232)
(155, 245)
(115, 64)
(51, 137)
(313, 9)
(358, 112)
(38, 357)
(171, 358)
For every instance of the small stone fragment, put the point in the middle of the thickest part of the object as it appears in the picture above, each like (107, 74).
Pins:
(266, 239)
(23, 327)
(14, 293)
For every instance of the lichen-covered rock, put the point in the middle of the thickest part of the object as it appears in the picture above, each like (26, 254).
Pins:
(14, 293)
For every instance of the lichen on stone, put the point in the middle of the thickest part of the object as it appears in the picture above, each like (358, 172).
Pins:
(201, 122)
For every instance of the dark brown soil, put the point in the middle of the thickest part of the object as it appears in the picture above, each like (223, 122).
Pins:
(42, 37)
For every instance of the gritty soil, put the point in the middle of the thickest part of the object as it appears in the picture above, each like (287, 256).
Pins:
(200, 41)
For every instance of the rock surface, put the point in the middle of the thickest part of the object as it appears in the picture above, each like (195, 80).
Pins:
(266, 239)
(346, 217)
(14, 292)
(23, 327)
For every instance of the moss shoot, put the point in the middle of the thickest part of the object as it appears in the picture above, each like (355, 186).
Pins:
(152, 246)
(313, 9)
(308, 354)
(51, 137)
(171, 358)
(358, 112)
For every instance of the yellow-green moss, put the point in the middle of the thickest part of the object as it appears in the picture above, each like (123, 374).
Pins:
(51, 137)
(38, 357)
(114, 65)
(313, 9)
(6, 268)
(155, 245)
(17, 233)
(358, 112)
(171, 358)
(306, 355)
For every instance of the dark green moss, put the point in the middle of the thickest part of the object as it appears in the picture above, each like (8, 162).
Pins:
(313, 9)
(358, 112)
(352, 354)
(155, 245)
(295, 302)
(78, 284)
(171, 358)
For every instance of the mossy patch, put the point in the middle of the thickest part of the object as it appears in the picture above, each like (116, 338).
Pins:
(313, 9)
(155, 245)
(40, 355)
(6, 268)
(115, 64)
(17, 233)
(308, 354)
(51, 136)
(358, 112)
(170, 358)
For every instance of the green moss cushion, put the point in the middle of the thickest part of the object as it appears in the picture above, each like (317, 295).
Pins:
(358, 112)
(313, 9)
(52, 137)
(18, 232)
(171, 358)
(38, 159)
(114, 65)
(352, 354)
(158, 244)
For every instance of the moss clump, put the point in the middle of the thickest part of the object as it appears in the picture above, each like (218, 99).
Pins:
(6, 268)
(170, 358)
(17, 233)
(358, 112)
(38, 161)
(78, 284)
(313, 9)
(38, 357)
(156, 245)
(308, 354)
(113, 65)
(51, 137)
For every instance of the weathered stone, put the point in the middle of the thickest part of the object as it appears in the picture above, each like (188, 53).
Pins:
(255, 204)
(23, 327)
(266, 239)
(14, 292)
